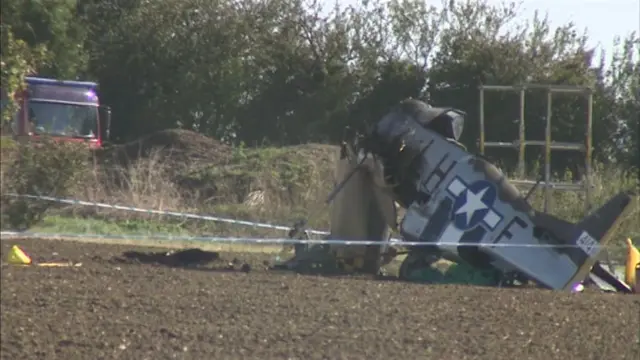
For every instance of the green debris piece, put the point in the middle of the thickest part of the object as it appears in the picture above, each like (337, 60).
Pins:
(427, 275)
(466, 274)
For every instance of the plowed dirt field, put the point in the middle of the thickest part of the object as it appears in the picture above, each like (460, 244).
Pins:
(124, 305)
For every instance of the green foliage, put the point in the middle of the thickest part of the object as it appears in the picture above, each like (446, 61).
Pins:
(53, 24)
(18, 60)
(620, 99)
(289, 72)
(46, 168)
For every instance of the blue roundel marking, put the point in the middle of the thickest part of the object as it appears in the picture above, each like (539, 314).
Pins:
(473, 204)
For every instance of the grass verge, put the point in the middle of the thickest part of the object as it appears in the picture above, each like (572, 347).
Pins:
(140, 233)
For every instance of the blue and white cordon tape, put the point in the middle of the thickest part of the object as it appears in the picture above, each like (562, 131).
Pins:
(245, 240)
(164, 212)
(270, 241)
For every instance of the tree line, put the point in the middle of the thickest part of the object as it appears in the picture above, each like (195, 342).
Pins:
(283, 72)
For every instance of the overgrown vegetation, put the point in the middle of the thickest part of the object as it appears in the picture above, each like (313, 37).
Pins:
(261, 176)
(47, 169)
(270, 184)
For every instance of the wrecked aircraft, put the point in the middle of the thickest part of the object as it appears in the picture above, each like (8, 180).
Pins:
(460, 205)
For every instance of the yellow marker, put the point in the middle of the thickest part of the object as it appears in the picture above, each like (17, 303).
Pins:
(633, 260)
(18, 257)
(59, 264)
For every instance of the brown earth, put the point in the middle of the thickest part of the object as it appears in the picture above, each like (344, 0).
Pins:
(125, 305)
(179, 146)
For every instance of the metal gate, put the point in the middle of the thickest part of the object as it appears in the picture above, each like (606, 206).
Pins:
(520, 144)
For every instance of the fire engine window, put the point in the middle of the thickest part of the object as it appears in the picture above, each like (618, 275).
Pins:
(63, 119)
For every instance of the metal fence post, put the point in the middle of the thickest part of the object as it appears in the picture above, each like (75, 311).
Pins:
(588, 152)
(547, 143)
(547, 154)
(481, 117)
(521, 136)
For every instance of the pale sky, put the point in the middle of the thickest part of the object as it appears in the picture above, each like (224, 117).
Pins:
(604, 19)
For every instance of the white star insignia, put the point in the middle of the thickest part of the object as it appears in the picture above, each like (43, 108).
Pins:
(473, 204)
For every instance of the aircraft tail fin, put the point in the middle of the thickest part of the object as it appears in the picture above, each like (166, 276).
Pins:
(601, 223)
(595, 231)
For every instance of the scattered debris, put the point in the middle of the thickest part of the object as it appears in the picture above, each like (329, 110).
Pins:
(173, 258)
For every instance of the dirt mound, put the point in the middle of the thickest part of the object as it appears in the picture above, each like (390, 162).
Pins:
(206, 171)
(291, 175)
(182, 258)
(180, 146)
